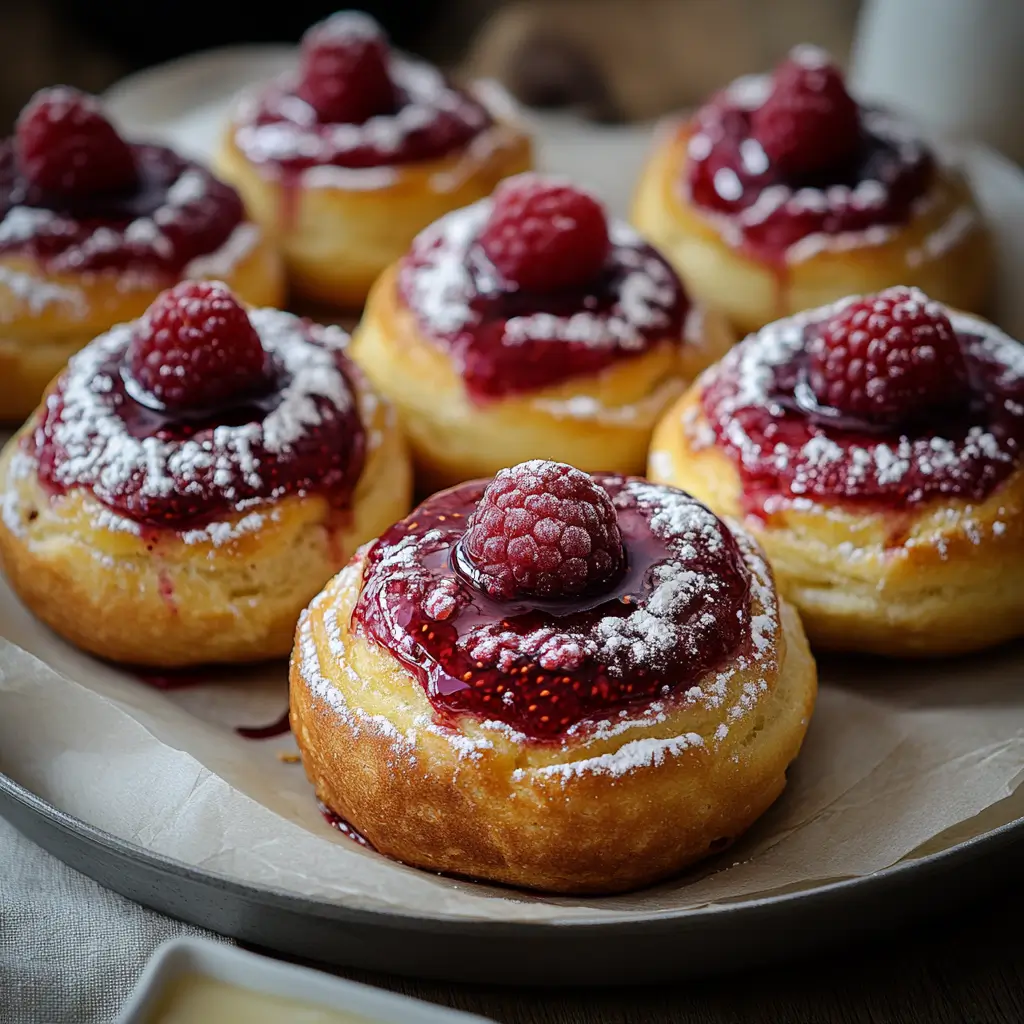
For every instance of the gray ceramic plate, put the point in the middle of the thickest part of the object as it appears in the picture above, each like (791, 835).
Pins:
(730, 936)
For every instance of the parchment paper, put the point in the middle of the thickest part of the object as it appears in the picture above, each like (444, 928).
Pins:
(900, 757)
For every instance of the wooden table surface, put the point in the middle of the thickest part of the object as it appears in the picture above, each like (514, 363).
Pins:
(967, 969)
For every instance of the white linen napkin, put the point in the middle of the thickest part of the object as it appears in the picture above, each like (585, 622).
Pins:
(70, 950)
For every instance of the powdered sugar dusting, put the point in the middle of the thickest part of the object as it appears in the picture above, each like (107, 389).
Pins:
(224, 261)
(38, 293)
(274, 126)
(440, 282)
(696, 596)
(93, 448)
(757, 207)
(643, 753)
(181, 212)
(830, 464)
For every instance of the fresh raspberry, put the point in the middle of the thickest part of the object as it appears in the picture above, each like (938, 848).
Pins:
(809, 122)
(344, 73)
(887, 358)
(65, 144)
(544, 235)
(195, 348)
(543, 529)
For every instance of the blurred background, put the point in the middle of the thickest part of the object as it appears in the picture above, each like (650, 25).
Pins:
(612, 60)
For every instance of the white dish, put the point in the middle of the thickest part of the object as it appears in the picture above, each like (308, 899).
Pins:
(231, 971)
(901, 799)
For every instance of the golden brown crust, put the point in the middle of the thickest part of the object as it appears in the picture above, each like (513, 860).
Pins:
(601, 422)
(231, 593)
(337, 240)
(942, 579)
(46, 318)
(607, 810)
(752, 293)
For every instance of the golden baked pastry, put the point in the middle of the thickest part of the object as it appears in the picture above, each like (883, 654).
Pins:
(551, 680)
(782, 194)
(574, 363)
(192, 480)
(874, 448)
(92, 228)
(343, 163)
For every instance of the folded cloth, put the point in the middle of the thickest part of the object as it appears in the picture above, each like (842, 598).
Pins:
(70, 950)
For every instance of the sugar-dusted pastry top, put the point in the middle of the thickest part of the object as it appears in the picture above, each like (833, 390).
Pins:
(431, 118)
(774, 177)
(302, 432)
(758, 406)
(174, 213)
(685, 603)
(505, 339)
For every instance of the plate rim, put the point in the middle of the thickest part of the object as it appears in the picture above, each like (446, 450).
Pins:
(946, 860)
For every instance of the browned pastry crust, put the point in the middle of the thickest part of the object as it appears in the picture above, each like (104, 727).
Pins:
(599, 422)
(336, 240)
(45, 318)
(607, 810)
(229, 593)
(940, 579)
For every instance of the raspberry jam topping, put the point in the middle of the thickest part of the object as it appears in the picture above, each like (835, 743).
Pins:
(354, 104)
(74, 197)
(680, 609)
(180, 469)
(787, 158)
(505, 339)
(952, 436)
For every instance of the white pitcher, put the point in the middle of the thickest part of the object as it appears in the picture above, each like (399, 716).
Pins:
(956, 66)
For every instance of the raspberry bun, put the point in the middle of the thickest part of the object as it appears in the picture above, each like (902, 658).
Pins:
(529, 326)
(552, 680)
(93, 228)
(783, 194)
(874, 447)
(346, 160)
(192, 479)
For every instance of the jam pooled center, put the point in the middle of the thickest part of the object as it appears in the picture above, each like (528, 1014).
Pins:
(771, 192)
(789, 447)
(276, 128)
(174, 213)
(680, 609)
(505, 340)
(168, 469)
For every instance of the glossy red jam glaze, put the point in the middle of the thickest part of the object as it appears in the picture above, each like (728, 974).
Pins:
(304, 434)
(277, 129)
(338, 822)
(506, 341)
(680, 610)
(176, 213)
(765, 211)
(761, 410)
